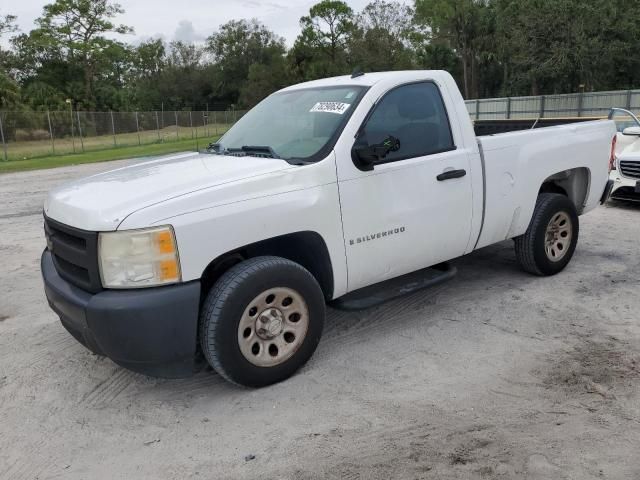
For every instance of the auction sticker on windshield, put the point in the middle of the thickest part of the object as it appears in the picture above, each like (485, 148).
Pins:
(331, 107)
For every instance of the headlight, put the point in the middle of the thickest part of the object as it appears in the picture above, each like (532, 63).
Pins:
(138, 258)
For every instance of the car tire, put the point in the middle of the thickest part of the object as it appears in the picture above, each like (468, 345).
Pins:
(550, 241)
(261, 321)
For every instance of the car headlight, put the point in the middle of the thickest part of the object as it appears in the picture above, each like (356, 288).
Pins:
(138, 258)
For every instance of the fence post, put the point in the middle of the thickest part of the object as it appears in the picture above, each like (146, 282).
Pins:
(191, 123)
(508, 108)
(215, 121)
(4, 144)
(53, 143)
(580, 103)
(205, 121)
(113, 129)
(158, 127)
(477, 109)
(138, 129)
(175, 113)
(73, 139)
(628, 99)
(542, 102)
(80, 131)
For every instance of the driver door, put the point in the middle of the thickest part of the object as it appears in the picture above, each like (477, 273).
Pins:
(413, 209)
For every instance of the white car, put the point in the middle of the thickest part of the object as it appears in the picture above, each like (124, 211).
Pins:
(626, 168)
(319, 193)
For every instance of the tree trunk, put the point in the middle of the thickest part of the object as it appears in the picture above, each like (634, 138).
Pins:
(465, 75)
(475, 84)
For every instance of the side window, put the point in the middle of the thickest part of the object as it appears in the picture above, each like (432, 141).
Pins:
(414, 115)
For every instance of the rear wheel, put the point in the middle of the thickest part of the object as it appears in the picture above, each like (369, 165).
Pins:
(262, 321)
(550, 241)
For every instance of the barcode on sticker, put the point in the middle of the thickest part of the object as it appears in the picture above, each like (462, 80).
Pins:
(331, 107)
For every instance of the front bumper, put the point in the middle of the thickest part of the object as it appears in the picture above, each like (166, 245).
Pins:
(151, 331)
(624, 188)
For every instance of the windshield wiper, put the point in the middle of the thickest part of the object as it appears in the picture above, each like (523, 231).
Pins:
(213, 148)
(256, 150)
(263, 151)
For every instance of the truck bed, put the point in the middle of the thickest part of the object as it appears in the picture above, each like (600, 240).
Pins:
(517, 163)
(493, 127)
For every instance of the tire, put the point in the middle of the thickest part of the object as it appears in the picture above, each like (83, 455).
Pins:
(536, 251)
(236, 316)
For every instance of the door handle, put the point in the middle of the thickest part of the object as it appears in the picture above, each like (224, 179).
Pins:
(449, 174)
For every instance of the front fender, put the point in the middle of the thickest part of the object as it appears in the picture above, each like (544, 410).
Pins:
(204, 235)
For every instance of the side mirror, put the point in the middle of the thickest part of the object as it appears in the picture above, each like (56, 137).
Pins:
(366, 156)
(632, 131)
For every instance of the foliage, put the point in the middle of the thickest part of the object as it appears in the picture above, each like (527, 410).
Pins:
(238, 46)
(71, 35)
(322, 44)
(492, 47)
(380, 40)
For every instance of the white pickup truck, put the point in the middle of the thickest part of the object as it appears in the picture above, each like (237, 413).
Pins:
(317, 194)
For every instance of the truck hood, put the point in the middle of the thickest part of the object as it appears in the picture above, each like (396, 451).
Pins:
(101, 202)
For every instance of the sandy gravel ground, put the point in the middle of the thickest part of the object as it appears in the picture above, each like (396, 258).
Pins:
(496, 374)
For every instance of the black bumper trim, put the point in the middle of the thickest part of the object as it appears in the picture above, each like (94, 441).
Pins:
(151, 331)
(607, 192)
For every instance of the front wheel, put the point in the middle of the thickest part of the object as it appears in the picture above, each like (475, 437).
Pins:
(261, 321)
(550, 241)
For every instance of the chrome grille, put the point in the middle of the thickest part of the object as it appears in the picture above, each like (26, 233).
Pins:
(630, 169)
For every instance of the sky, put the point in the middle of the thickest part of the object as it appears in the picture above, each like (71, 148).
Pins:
(188, 20)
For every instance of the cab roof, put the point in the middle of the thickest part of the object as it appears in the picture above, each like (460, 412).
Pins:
(370, 79)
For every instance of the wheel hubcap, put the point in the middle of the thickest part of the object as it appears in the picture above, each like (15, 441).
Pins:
(558, 237)
(270, 324)
(273, 326)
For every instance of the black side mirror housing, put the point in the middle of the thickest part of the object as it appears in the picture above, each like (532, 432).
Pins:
(366, 156)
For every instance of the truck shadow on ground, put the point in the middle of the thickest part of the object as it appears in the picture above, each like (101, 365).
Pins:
(623, 205)
(481, 273)
(494, 265)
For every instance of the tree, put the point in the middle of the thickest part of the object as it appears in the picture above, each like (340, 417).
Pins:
(557, 46)
(7, 24)
(381, 39)
(236, 47)
(9, 89)
(459, 22)
(148, 58)
(263, 80)
(321, 48)
(327, 27)
(74, 32)
(9, 92)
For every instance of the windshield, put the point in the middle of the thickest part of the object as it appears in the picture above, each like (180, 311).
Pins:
(292, 125)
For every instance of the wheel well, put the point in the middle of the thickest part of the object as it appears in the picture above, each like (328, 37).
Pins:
(305, 248)
(573, 183)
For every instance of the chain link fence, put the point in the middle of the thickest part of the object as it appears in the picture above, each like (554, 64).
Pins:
(30, 134)
(592, 104)
(39, 134)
